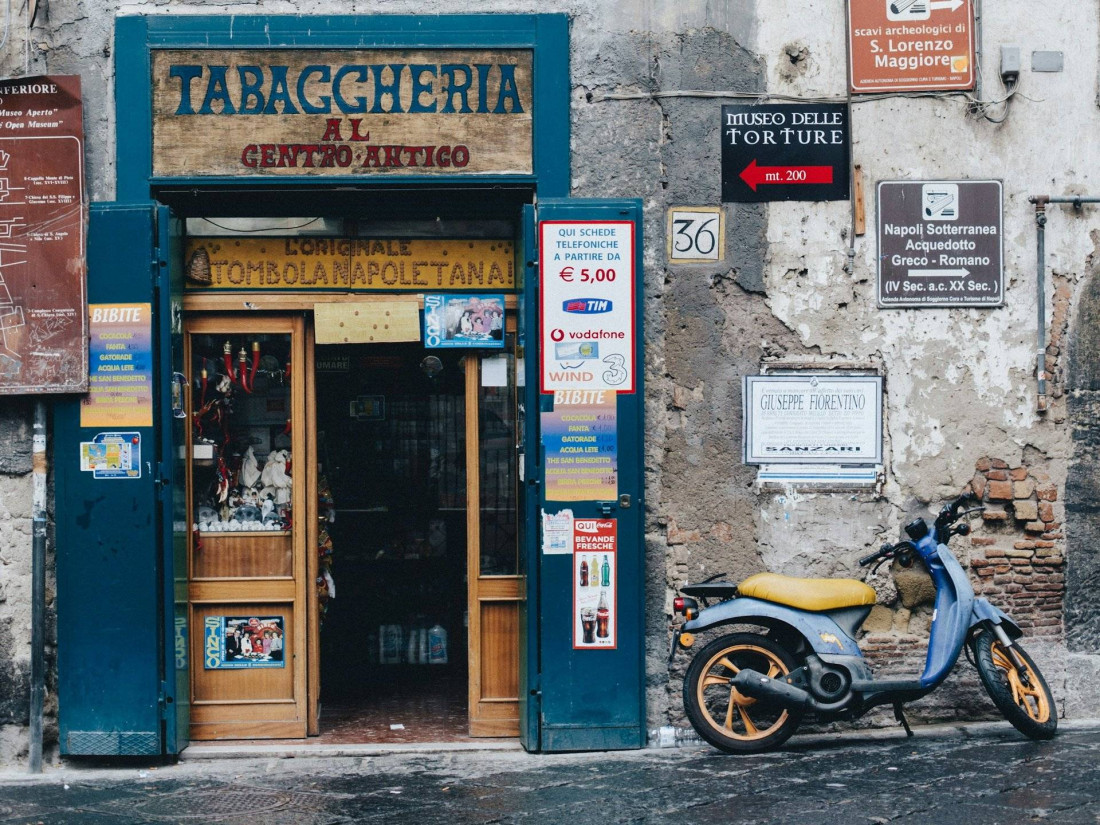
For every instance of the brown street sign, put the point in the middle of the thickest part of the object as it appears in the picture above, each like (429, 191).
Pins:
(907, 45)
(43, 303)
(940, 243)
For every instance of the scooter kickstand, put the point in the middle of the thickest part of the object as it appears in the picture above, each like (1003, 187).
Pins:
(899, 715)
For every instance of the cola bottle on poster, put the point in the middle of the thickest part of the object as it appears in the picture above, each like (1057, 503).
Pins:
(603, 617)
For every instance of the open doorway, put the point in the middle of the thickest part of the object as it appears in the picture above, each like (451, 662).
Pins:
(391, 447)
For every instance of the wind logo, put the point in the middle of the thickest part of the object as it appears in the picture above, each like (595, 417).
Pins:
(587, 306)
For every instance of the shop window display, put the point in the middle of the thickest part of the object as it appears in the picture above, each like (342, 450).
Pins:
(241, 441)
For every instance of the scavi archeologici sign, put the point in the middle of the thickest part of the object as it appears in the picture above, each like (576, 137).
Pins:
(812, 418)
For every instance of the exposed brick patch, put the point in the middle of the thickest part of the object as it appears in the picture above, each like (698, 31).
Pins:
(1017, 557)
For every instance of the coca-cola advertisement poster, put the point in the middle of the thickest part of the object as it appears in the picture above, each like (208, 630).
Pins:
(595, 579)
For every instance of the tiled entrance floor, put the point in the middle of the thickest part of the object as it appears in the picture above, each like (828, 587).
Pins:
(416, 711)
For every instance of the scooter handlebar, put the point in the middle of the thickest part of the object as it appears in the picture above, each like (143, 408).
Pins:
(882, 552)
(889, 551)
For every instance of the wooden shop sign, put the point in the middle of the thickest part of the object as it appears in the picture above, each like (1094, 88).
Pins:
(350, 264)
(312, 113)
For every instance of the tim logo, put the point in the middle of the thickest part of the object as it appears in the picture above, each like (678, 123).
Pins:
(586, 306)
(591, 526)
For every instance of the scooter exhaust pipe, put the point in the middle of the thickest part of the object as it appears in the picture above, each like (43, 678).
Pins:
(758, 686)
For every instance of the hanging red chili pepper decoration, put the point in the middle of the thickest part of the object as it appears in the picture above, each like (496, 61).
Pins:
(223, 480)
(242, 357)
(227, 358)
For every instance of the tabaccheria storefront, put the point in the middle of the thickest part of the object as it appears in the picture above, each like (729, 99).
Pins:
(326, 517)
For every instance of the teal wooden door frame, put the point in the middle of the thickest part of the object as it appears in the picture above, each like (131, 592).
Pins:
(118, 693)
(595, 699)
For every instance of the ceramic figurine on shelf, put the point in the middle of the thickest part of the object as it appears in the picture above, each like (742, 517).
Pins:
(250, 469)
(274, 477)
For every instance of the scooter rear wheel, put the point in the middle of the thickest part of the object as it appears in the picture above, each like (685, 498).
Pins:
(1021, 694)
(723, 716)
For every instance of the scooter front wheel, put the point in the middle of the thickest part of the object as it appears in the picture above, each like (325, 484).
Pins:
(1021, 694)
(724, 716)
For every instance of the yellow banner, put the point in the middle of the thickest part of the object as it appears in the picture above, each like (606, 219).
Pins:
(351, 264)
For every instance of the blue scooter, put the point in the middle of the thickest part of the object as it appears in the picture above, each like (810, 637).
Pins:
(746, 692)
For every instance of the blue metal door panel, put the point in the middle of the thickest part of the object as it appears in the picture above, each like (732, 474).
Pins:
(110, 635)
(174, 528)
(595, 699)
(529, 546)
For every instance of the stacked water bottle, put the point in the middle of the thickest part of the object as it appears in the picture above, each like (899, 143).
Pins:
(413, 644)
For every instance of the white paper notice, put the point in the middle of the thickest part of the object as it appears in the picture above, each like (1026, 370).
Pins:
(494, 371)
(557, 533)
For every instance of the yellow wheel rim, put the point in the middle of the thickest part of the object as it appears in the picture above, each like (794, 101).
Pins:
(1029, 697)
(729, 703)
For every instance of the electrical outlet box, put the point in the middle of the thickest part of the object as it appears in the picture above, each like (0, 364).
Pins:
(1010, 63)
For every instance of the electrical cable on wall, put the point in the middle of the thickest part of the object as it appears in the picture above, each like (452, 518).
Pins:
(981, 106)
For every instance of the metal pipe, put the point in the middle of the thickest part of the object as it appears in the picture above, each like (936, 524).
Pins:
(1041, 202)
(1074, 199)
(1040, 301)
(38, 587)
(981, 57)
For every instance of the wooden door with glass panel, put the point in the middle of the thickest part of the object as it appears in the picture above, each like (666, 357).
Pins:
(495, 588)
(247, 560)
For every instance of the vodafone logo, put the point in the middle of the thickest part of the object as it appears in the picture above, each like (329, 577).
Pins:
(557, 335)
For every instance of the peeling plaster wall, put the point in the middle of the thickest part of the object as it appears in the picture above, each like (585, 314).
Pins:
(796, 285)
(960, 384)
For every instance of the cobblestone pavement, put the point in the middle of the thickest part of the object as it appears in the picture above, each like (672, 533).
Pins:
(980, 775)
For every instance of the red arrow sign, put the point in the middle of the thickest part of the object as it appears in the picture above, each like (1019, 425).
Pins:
(755, 175)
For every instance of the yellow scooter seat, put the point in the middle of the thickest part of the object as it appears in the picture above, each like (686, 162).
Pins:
(807, 594)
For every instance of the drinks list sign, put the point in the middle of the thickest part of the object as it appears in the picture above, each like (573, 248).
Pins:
(580, 436)
(43, 302)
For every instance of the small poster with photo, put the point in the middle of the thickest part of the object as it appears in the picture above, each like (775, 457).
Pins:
(464, 321)
(243, 642)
